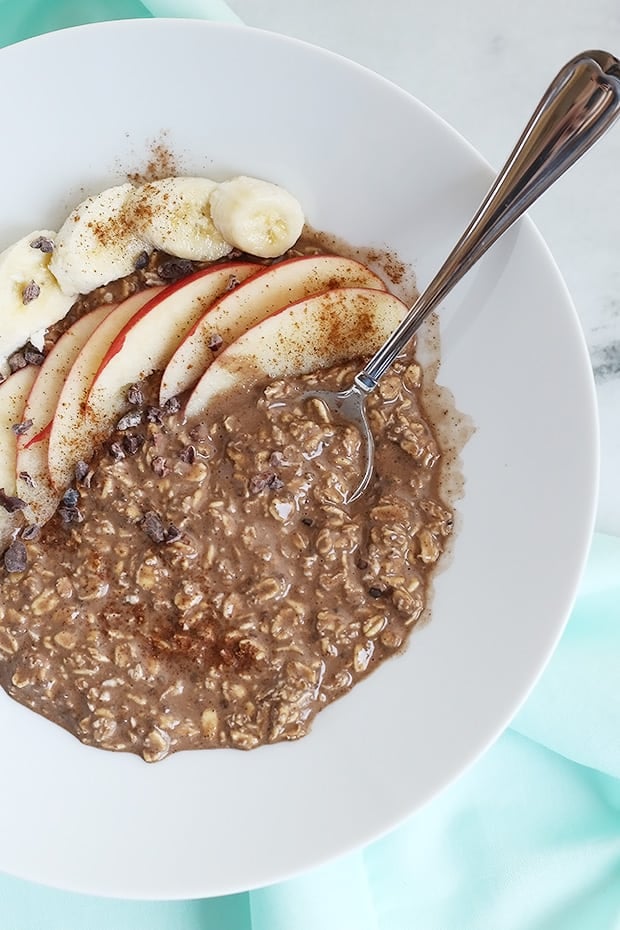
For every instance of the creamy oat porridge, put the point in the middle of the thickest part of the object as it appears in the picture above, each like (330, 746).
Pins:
(206, 586)
(201, 582)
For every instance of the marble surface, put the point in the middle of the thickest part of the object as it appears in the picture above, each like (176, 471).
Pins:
(482, 66)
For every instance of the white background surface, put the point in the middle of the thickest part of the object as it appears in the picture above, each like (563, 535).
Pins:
(482, 65)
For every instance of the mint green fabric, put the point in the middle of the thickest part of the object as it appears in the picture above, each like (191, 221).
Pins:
(22, 19)
(528, 839)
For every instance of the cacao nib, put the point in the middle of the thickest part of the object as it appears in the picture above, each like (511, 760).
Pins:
(16, 557)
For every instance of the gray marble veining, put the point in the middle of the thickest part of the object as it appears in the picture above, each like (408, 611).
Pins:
(606, 361)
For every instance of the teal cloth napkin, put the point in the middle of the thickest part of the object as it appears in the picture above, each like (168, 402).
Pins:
(22, 19)
(528, 839)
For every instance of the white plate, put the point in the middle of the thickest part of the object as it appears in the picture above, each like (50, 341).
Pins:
(373, 165)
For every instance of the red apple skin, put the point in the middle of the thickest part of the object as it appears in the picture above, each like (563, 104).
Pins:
(315, 333)
(75, 432)
(148, 339)
(272, 289)
(162, 323)
(41, 404)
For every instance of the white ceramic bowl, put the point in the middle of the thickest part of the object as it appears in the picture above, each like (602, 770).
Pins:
(373, 165)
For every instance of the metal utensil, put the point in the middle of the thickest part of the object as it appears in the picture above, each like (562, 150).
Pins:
(580, 104)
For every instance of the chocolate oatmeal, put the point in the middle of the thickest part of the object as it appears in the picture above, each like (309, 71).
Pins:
(204, 584)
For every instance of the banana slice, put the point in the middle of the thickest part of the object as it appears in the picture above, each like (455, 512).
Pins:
(30, 298)
(256, 216)
(173, 215)
(97, 243)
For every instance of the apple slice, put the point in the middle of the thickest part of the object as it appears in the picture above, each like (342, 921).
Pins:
(322, 330)
(74, 433)
(13, 394)
(149, 339)
(272, 289)
(33, 480)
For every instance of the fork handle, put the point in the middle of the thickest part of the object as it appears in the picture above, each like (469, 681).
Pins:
(578, 107)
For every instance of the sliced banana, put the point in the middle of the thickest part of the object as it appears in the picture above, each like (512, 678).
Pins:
(30, 298)
(174, 215)
(256, 216)
(97, 243)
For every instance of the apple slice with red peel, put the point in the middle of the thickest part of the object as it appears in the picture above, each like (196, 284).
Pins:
(272, 289)
(149, 339)
(33, 479)
(13, 394)
(322, 330)
(75, 432)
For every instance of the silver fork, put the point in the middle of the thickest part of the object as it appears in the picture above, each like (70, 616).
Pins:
(580, 104)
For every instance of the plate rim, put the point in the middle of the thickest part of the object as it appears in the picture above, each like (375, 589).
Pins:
(559, 284)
